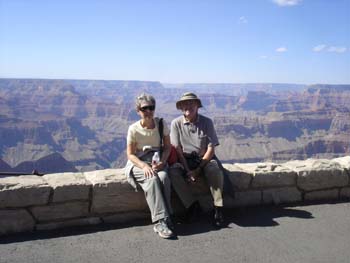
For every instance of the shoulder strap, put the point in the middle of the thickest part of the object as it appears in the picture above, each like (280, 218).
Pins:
(160, 128)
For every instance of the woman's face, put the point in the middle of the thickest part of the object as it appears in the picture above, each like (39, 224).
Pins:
(146, 110)
(189, 109)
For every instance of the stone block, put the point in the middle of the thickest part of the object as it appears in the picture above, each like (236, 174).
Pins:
(23, 191)
(322, 195)
(317, 174)
(15, 221)
(266, 175)
(239, 178)
(281, 195)
(60, 211)
(69, 223)
(343, 161)
(345, 192)
(111, 193)
(247, 198)
(68, 186)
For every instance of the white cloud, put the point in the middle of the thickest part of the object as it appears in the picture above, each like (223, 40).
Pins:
(242, 20)
(337, 49)
(287, 2)
(281, 49)
(263, 57)
(319, 48)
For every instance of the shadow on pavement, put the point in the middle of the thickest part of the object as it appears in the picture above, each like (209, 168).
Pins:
(264, 216)
(69, 231)
(243, 217)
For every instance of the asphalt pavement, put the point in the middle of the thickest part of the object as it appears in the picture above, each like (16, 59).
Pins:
(311, 233)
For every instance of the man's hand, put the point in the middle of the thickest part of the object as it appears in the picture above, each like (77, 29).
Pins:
(194, 174)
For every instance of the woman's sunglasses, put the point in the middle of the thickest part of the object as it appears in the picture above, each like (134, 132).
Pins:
(150, 108)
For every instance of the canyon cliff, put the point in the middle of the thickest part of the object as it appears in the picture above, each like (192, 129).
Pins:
(82, 124)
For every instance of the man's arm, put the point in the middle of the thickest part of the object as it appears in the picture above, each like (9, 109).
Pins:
(213, 141)
(209, 154)
(182, 158)
(175, 140)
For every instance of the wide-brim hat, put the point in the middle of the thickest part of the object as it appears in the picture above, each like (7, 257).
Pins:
(188, 96)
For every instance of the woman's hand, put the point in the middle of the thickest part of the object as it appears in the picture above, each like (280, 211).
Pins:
(158, 167)
(148, 171)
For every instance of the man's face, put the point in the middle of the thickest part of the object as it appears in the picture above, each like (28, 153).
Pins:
(189, 109)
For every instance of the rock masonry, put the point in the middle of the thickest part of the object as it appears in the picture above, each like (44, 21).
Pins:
(29, 203)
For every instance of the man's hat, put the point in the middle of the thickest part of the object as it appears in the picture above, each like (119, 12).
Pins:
(188, 96)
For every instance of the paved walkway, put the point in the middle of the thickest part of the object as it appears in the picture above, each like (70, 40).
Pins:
(314, 233)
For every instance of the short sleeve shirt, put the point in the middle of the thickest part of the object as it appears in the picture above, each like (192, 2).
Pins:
(195, 136)
(145, 137)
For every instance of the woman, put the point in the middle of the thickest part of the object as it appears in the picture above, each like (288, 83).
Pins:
(143, 140)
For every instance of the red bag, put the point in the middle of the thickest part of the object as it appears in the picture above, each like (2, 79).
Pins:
(172, 156)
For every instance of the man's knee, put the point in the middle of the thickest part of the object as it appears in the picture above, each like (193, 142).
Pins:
(175, 171)
(214, 174)
(212, 168)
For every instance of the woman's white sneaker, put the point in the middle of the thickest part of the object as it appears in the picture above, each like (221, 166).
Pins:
(162, 229)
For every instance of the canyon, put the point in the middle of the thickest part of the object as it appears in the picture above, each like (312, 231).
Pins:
(80, 125)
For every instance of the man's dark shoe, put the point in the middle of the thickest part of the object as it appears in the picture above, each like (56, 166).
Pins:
(218, 217)
(193, 213)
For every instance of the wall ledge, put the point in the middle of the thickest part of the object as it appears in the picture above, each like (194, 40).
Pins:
(30, 203)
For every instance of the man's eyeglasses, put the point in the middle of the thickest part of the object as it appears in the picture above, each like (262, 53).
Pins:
(150, 108)
(189, 103)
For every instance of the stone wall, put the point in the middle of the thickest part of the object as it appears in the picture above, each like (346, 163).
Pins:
(29, 203)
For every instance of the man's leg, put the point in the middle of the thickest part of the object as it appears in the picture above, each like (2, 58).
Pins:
(181, 187)
(215, 178)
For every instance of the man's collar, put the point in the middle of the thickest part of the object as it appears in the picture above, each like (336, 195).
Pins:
(188, 122)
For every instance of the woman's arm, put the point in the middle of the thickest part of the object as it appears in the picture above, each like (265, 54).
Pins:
(165, 154)
(130, 151)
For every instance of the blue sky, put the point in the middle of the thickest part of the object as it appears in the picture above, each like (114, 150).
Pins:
(177, 41)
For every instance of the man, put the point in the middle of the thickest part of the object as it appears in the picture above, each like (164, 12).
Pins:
(194, 138)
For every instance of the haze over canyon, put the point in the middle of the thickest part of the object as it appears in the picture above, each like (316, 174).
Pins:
(81, 125)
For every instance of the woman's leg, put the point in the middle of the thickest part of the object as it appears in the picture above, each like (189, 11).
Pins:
(152, 188)
(166, 184)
